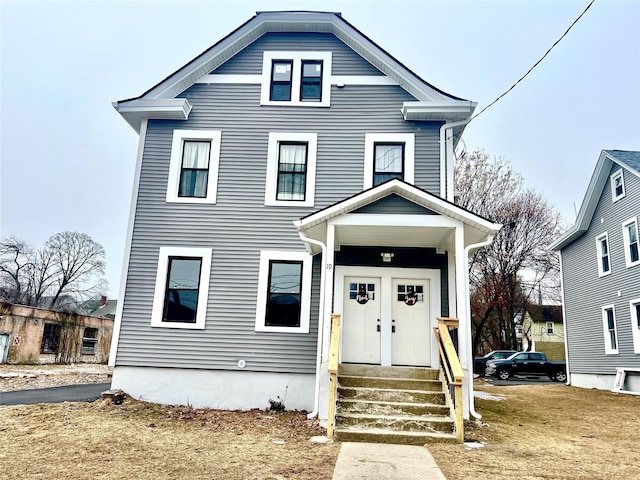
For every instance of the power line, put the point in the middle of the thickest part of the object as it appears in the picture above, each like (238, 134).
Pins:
(535, 64)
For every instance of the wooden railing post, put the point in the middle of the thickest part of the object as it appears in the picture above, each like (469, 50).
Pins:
(451, 372)
(333, 372)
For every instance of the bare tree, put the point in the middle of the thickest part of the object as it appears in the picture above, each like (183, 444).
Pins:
(516, 266)
(68, 269)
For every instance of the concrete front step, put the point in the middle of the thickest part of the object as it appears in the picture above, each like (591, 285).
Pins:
(390, 383)
(390, 395)
(401, 423)
(354, 434)
(418, 373)
(348, 405)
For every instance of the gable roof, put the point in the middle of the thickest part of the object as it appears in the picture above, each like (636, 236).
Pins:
(476, 228)
(629, 160)
(545, 313)
(160, 102)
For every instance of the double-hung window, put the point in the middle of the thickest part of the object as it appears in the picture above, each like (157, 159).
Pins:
(284, 292)
(182, 285)
(631, 246)
(89, 341)
(193, 167)
(604, 259)
(388, 156)
(291, 169)
(549, 328)
(617, 185)
(296, 79)
(634, 305)
(610, 330)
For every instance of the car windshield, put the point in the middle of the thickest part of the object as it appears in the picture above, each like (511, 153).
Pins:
(512, 356)
(502, 354)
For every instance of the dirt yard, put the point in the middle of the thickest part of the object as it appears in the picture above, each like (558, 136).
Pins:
(550, 432)
(28, 377)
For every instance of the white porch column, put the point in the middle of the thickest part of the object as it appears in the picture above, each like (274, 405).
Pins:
(328, 290)
(464, 327)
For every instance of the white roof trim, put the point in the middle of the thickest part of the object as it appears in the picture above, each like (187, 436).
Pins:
(591, 198)
(454, 110)
(406, 191)
(267, 22)
(134, 111)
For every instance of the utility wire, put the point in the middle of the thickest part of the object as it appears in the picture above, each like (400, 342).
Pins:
(534, 65)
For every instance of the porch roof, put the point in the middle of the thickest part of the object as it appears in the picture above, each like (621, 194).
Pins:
(398, 229)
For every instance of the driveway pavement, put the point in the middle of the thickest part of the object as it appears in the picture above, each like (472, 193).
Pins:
(69, 393)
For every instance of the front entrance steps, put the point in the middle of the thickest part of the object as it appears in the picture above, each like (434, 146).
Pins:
(403, 405)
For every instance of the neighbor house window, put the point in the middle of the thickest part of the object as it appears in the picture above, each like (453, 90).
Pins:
(549, 328)
(296, 79)
(193, 167)
(610, 331)
(635, 323)
(617, 185)
(89, 341)
(388, 156)
(604, 261)
(50, 338)
(182, 285)
(291, 169)
(284, 292)
(630, 234)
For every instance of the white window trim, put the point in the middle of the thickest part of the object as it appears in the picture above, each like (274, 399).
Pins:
(370, 139)
(613, 177)
(627, 242)
(634, 325)
(553, 328)
(263, 284)
(271, 187)
(179, 136)
(296, 75)
(161, 285)
(599, 238)
(607, 342)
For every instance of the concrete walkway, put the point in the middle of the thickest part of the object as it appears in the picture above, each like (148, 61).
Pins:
(376, 461)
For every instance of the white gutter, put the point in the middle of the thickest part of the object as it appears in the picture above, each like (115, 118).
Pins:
(316, 395)
(467, 252)
(446, 171)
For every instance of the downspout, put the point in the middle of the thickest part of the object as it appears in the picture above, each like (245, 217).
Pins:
(316, 395)
(564, 321)
(446, 170)
(467, 252)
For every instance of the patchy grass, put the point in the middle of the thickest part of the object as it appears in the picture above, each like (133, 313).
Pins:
(148, 441)
(549, 432)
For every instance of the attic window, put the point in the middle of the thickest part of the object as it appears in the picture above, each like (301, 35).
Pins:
(296, 79)
(617, 185)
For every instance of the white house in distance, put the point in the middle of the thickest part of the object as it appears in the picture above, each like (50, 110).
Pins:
(601, 278)
(293, 170)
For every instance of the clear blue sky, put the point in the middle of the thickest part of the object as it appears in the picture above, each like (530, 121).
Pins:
(67, 158)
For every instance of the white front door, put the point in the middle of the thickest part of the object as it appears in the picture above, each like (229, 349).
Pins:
(410, 337)
(361, 320)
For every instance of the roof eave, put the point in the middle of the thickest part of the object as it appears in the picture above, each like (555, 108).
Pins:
(135, 111)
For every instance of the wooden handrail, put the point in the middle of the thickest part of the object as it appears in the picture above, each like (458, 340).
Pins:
(333, 372)
(451, 371)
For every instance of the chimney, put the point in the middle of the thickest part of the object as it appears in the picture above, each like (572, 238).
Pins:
(103, 300)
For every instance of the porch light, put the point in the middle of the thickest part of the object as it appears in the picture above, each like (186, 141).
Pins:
(386, 256)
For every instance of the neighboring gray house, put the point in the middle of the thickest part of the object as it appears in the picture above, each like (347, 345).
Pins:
(292, 170)
(601, 277)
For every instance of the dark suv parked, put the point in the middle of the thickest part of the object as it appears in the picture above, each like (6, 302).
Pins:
(479, 363)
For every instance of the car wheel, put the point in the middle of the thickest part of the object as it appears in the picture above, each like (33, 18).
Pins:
(503, 374)
(560, 376)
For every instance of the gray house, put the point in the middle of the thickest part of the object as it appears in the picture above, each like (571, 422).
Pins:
(601, 278)
(291, 171)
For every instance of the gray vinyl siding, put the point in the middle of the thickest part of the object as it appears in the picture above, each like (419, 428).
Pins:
(239, 225)
(344, 60)
(394, 205)
(586, 293)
